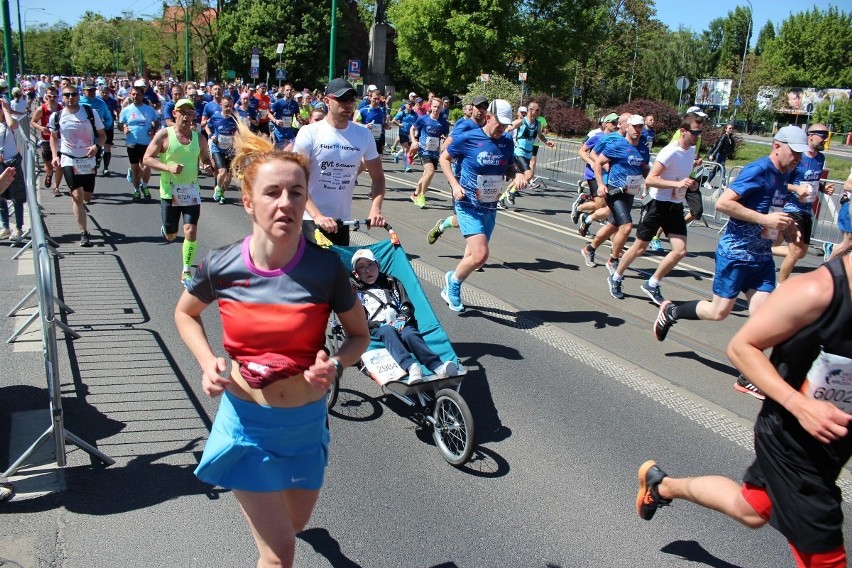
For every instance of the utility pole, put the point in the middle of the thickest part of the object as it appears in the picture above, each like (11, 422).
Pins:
(332, 42)
(742, 67)
(20, 43)
(186, 40)
(7, 42)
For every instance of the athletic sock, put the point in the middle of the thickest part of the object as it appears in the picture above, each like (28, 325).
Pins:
(447, 223)
(653, 282)
(454, 279)
(617, 277)
(613, 260)
(107, 158)
(686, 310)
(189, 248)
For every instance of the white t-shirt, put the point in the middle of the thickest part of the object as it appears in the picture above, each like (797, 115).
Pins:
(76, 134)
(335, 156)
(41, 89)
(19, 105)
(678, 163)
(9, 147)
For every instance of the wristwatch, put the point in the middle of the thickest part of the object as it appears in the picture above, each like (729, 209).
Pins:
(338, 369)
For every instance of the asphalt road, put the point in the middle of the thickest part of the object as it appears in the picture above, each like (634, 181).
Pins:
(569, 390)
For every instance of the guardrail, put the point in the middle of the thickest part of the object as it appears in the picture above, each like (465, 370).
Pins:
(44, 287)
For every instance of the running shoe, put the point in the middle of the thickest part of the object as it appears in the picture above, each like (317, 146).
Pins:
(452, 292)
(614, 287)
(583, 229)
(407, 169)
(648, 499)
(415, 374)
(16, 235)
(511, 197)
(664, 321)
(447, 369)
(129, 175)
(217, 195)
(413, 198)
(421, 201)
(575, 209)
(146, 192)
(85, 241)
(612, 266)
(163, 231)
(656, 245)
(653, 292)
(501, 204)
(436, 232)
(534, 185)
(588, 256)
(746, 386)
(396, 158)
(137, 196)
(827, 249)
(106, 173)
(4, 233)
(186, 278)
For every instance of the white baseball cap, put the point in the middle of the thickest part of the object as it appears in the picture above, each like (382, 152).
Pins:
(372, 88)
(412, 94)
(636, 119)
(362, 253)
(794, 137)
(522, 109)
(696, 110)
(140, 83)
(501, 110)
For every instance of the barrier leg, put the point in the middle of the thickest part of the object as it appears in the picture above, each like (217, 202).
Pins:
(24, 327)
(22, 302)
(27, 454)
(88, 448)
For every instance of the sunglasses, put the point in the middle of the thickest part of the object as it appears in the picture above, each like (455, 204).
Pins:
(71, 94)
(695, 132)
(820, 133)
(483, 106)
(344, 99)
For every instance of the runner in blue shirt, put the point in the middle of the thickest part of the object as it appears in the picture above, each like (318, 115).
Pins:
(426, 134)
(245, 112)
(527, 132)
(486, 156)
(804, 189)
(139, 122)
(213, 105)
(588, 203)
(169, 106)
(375, 117)
(628, 162)
(476, 120)
(222, 129)
(754, 203)
(405, 119)
(284, 111)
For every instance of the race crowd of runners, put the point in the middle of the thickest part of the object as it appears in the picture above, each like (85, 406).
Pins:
(488, 157)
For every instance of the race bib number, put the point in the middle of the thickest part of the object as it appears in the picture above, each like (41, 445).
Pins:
(488, 188)
(634, 184)
(679, 193)
(262, 113)
(432, 144)
(811, 196)
(376, 129)
(225, 142)
(186, 195)
(381, 366)
(84, 166)
(830, 379)
(768, 233)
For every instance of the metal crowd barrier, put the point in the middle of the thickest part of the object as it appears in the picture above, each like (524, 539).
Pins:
(44, 286)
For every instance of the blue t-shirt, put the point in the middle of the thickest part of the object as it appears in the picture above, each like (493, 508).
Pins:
(589, 173)
(462, 125)
(407, 119)
(222, 129)
(649, 135)
(431, 131)
(481, 155)
(625, 159)
(138, 120)
(760, 186)
(807, 172)
(285, 110)
(210, 109)
(112, 105)
(151, 97)
(169, 110)
(99, 106)
(377, 116)
(246, 116)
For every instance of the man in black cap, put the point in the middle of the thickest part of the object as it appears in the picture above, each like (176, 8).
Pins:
(476, 120)
(335, 147)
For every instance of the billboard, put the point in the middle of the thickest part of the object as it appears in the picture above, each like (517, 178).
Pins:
(713, 92)
(798, 100)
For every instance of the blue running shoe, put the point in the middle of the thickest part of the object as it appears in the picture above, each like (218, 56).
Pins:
(452, 292)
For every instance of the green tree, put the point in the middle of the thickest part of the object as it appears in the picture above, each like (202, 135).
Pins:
(812, 49)
(91, 45)
(496, 87)
(303, 29)
(767, 34)
(445, 44)
(47, 48)
(736, 34)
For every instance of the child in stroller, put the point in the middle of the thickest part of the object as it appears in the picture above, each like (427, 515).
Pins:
(390, 317)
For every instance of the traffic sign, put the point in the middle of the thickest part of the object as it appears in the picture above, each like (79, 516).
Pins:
(167, 70)
(682, 83)
(522, 76)
(231, 74)
(255, 51)
(738, 102)
(353, 69)
(255, 72)
(280, 74)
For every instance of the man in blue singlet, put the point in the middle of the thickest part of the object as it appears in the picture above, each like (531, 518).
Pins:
(139, 122)
(375, 117)
(426, 134)
(222, 129)
(284, 110)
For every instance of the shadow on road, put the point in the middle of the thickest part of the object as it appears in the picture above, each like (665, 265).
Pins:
(694, 552)
(325, 544)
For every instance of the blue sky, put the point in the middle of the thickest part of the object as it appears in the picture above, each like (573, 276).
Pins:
(673, 13)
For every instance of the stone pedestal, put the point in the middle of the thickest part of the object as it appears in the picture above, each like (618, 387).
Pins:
(376, 70)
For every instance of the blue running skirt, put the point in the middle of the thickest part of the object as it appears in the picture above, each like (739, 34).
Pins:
(261, 448)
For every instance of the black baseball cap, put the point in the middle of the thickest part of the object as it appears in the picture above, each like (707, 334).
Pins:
(339, 88)
(479, 100)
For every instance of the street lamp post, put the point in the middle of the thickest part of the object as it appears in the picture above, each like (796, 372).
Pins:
(745, 53)
(20, 34)
(20, 42)
(116, 47)
(187, 61)
(141, 56)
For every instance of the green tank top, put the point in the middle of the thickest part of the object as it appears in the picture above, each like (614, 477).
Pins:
(179, 154)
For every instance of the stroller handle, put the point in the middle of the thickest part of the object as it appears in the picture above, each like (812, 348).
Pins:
(355, 224)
